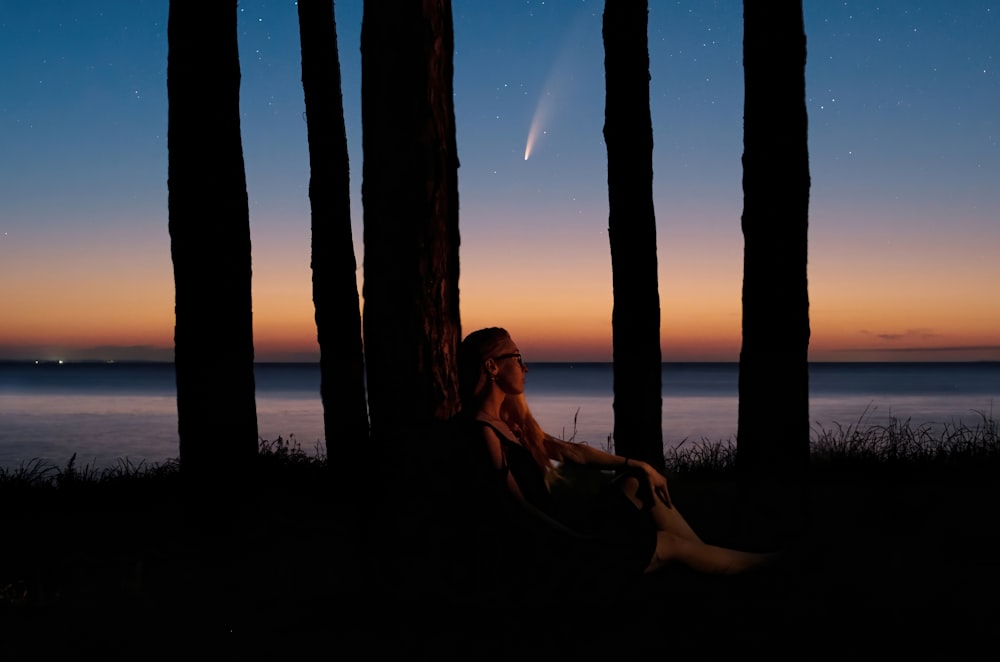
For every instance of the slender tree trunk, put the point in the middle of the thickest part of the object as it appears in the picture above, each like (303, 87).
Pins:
(628, 132)
(335, 290)
(410, 195)
(210, 245)
(773, 432)
(335, 297)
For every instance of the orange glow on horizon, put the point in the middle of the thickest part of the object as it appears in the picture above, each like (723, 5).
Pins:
(548, 342)
(552, 291)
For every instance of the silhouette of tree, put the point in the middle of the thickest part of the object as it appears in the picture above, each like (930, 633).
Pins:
(628, 132)
(773, 432)
(210, 244)
(410, 196)
(335, 290)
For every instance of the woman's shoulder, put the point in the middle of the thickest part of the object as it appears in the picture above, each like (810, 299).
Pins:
(472, 424)
(497, 426)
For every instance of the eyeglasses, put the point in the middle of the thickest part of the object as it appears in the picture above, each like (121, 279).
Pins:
(512, 355)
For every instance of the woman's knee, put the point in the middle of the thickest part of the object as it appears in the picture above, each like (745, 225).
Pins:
(630, 488)
(669, 547)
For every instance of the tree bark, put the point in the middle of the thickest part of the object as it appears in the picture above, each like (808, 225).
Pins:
(628, 132)
(410, 195)
(334, 267)
(210, 245)
(773, 428)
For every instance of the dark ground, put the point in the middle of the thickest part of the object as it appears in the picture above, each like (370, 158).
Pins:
(896, 565)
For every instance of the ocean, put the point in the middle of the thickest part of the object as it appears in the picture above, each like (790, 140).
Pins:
(104, 412)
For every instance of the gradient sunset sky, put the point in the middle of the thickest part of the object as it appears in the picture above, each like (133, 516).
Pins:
(904, 146)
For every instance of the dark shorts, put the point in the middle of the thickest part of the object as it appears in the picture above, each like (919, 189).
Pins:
(622, 537)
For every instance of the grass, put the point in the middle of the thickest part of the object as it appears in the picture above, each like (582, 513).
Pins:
(289, 451)
(899, 444)
(41, 475)
(899, 562)
(273, 454)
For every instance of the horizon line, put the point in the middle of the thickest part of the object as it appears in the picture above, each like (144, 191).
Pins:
(549, 362)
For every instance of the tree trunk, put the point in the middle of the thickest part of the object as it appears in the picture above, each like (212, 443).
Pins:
(411, 317)
(773, 432)
(210, 245)
(335, 289)
(628, 132)
(335, 295)
(410, 196)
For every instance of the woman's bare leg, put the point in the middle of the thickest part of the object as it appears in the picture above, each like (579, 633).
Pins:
(701, 557)
(677, 541)
(665, 518)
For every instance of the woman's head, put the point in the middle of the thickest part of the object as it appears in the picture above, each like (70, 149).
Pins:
(475, 350)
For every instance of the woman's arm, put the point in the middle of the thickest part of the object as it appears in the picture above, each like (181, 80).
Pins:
(582, 454)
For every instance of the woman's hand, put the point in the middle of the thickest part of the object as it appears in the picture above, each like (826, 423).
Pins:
(657, 483)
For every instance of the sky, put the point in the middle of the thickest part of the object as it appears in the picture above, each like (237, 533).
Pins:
(904, 147)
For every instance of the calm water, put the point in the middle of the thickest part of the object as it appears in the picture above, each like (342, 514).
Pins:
(104, 412)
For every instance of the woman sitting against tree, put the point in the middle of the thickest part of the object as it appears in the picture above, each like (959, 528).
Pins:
(632, 521)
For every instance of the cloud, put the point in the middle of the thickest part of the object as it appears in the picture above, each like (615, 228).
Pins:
(912, 342)
(932, 349)
(922, 334)
(98, 353)
(951, 348)
(125, 353)
(140, 353)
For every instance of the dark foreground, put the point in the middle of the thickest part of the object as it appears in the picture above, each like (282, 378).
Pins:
(895, 565)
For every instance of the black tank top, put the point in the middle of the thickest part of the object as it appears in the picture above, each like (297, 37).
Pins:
(530, 477)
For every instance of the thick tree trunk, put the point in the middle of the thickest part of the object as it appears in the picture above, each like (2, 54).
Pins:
(410, 195)
(628, 132)
(210, 245)
(411, 317)
(335, 289)
(773, 432)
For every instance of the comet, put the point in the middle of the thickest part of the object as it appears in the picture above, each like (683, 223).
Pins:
(540, 119)
(561, 78)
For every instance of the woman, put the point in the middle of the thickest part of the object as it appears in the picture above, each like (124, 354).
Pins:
(636, 517)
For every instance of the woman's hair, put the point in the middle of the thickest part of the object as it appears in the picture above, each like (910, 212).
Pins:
(515, 412)
(472, 354)
(473, 381)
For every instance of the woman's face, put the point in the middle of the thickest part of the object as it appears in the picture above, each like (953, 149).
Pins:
(510, 368)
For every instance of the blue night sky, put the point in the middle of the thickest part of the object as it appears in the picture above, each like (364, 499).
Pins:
(904, 156)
